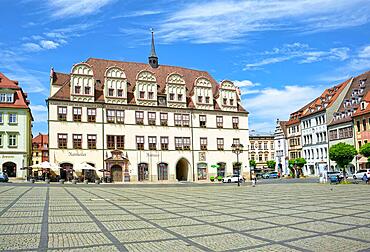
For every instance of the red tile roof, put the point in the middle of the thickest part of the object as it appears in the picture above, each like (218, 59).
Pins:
(131, 70)
(20, 98)
(366, 110)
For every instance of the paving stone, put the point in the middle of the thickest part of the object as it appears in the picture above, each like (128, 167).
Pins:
(19, 241)
(273, 248)
(162, 246)
(362, 233)
(66, 240)
(321, 226)
(246, 225)
(72, 227)
(329, 243)
(280, 233)
(142, 235)
(195, 230)
(126, 225)
(227, 241)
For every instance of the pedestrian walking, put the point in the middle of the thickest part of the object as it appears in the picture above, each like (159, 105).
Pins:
(254, 179)
(365, 178)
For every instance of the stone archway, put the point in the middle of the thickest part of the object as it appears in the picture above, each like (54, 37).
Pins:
(116, 173)
(182, 169)
(10, 169)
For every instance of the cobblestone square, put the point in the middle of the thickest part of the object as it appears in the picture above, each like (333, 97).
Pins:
(270, 217)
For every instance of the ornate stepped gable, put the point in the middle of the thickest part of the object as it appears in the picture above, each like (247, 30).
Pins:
(135, 77)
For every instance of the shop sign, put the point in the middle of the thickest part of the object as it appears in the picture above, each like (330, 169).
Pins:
(202, 156)
(5, 156)
(76, 154)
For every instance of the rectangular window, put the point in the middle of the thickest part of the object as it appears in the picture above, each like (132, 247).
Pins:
(364, 124)
(120, 116)
(359, 144)
(236, 141)
(9, 98)
(77, 141)
(111, 115)
(91, 115)
(110, 91)
(77, 112)
(172, 96)
(207, 99)
(110, 142)
(200, 99)
(219, 121)
(203, 143)
(220, 144)
(272, 146)
(225, 101)
(150, 95)
(141, 94)
(120, 142)
(120, 92)
(178, 119)
(87, 90)
(333, 134)
(140, 142)
(202, 121)
(358, 126)
(1, 140)
(1, 117)
(178, 143)
(139, 115)
(164, 143)
(151, 118)
(232, 102)
(2, 97)
(265, 145)
(62, 141)
(185, 120)
(186, 143)
(12, 140)
(91, 141)
(77, 89)
(12, 118)
(152, 142)
(62, 113)
(179, 97)
(164, 119)
(236, 122)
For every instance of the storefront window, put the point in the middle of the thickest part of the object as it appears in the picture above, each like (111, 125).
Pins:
(221, 169)
(202, 171)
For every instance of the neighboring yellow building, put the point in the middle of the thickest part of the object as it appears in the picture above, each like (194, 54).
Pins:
(262, 150)
(40, 149)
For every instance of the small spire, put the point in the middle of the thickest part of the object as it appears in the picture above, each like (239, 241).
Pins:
(153, 59)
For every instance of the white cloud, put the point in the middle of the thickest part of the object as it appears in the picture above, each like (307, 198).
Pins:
(31, 47)
(365, 52)
(230, 20)
(40, 113)
(73, 8)
(302, 53)
(245, 83)
(272, 103)
(140, 13)
(48, 44)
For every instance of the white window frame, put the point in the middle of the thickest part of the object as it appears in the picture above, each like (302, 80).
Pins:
(10, 117)
(12, 137)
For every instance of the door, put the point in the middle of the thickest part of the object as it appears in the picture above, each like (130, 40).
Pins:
(143, 171)
(116, 173)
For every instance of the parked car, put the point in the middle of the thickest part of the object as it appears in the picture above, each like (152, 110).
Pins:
(232, 179)
(268, 175)
(3, 177)
(360, 173)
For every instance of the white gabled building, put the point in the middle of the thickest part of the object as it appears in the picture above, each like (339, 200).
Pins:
(15, 128)
(314, 121)
(281, 147)
(146, 122)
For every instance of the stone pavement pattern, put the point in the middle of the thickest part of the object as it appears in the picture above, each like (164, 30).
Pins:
(290, 217)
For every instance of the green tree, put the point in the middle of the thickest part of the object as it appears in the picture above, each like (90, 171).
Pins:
(252, 163)
(365, 151)
(271, 164)
(343, 154)
(296, 165)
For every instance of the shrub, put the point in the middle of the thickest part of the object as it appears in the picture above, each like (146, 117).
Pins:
(212, 178)
(219, 178)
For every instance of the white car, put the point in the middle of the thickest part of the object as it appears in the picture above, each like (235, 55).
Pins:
(232, 179)
(360, 174)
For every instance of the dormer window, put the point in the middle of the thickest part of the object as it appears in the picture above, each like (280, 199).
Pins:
(110, 92)
(207, 99)
(232, 102)
(179, 97)
(120, 92)
(77, 89)
(150, 95)
(362, 105)
(200, 99)
(87, 90)
(141, 94)
(225, 101)
(7, 98)
(172, 96)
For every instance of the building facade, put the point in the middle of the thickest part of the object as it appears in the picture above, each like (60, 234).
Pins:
(281, 147)
(15, 128)
(314, 122)
(40, 149)
(262, 149)
(146, 122)
(294, 137)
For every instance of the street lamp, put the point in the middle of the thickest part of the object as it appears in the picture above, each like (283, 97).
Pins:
(237, 149)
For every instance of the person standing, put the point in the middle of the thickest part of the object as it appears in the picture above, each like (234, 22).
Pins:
(365, 178)
(254, 179)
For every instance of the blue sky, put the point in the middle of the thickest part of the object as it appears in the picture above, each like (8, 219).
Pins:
(281, 53)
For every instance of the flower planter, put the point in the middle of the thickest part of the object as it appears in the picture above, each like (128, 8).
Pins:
(212, 179)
